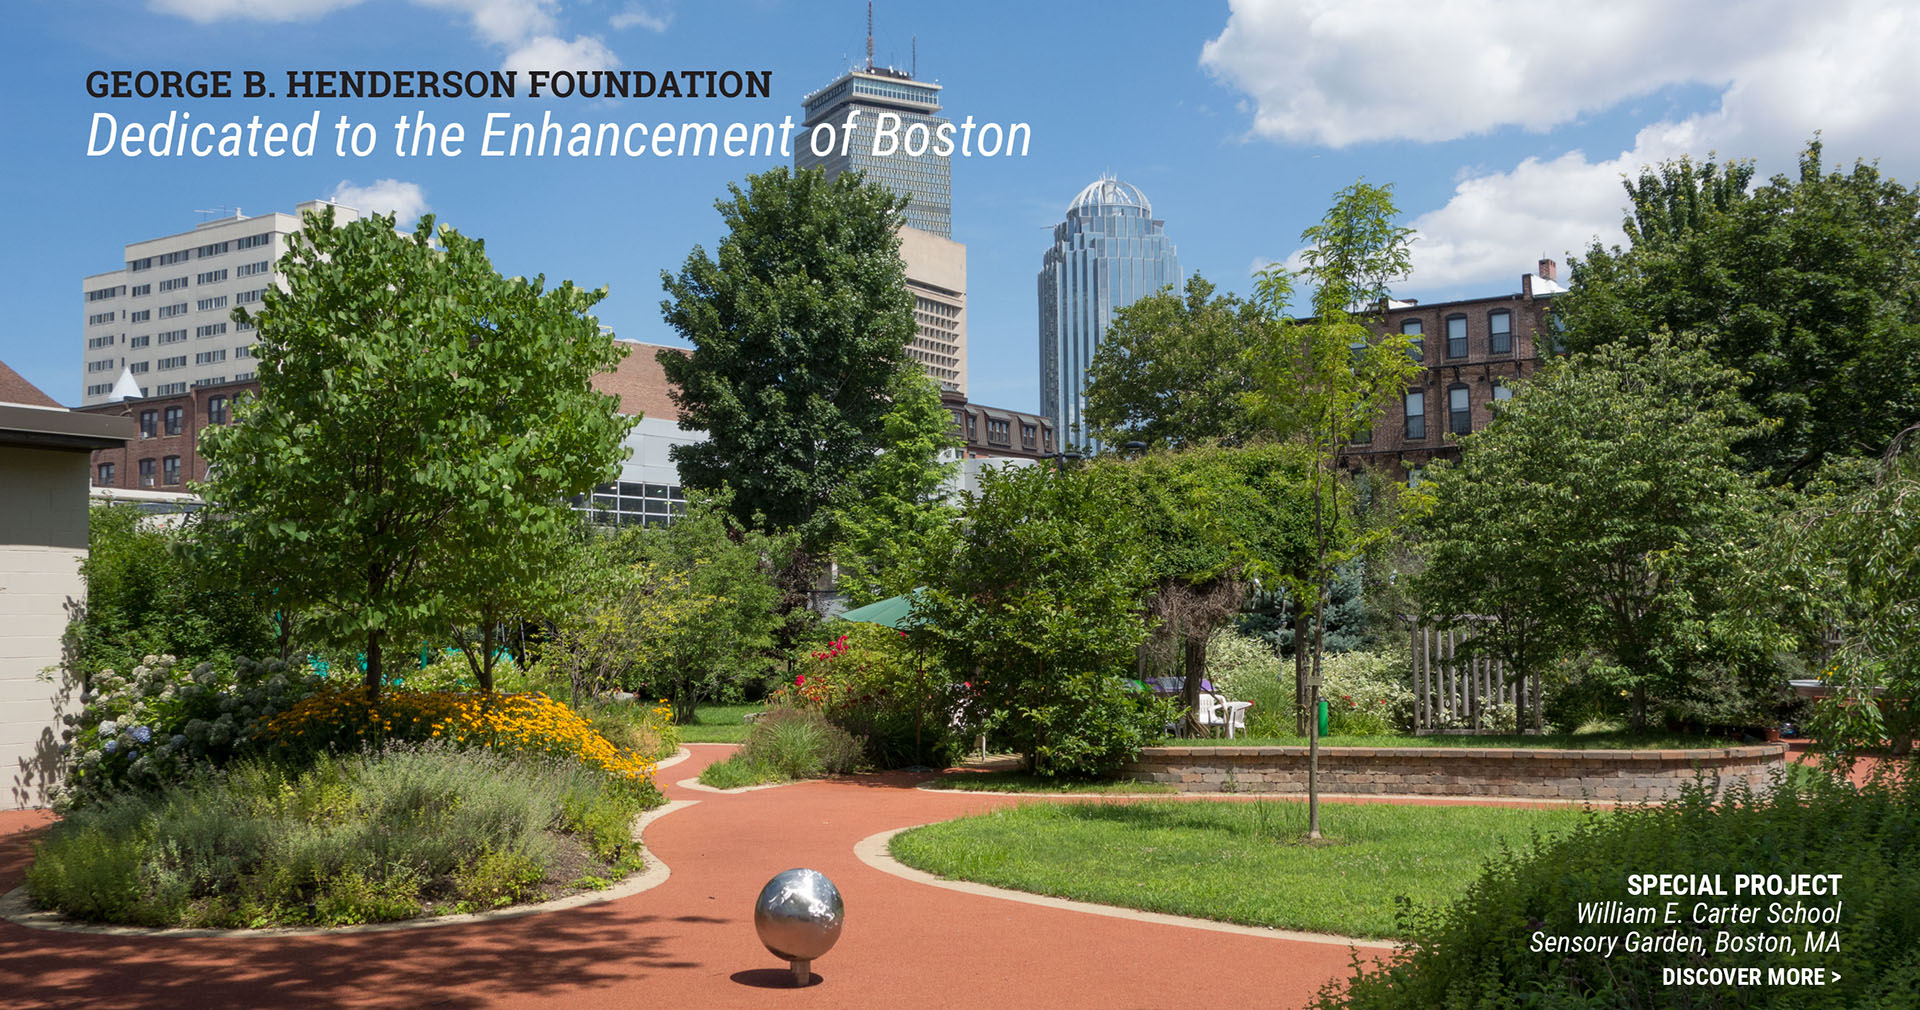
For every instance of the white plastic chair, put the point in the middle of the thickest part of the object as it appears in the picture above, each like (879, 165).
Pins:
(1217, 711)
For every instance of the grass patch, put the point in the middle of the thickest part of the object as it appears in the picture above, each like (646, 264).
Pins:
(718, 724)
(1564, 741)
(1242, 862)
(368, 838)
(1021, 782)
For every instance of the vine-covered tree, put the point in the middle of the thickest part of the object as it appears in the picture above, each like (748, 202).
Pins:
(420, 424)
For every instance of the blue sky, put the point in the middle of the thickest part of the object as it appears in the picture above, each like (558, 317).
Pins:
(1503, 127)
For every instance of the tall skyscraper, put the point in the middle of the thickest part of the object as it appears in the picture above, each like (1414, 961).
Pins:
(164, 321)
(866, 95)
(936, 265)
(1109, 252)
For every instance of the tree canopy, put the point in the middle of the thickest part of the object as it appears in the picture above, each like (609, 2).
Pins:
(1809, 287)
(420, 424)
(1168, 371)
(886, 515)
(799, 328)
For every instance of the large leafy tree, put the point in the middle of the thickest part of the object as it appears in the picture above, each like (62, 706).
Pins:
(420, 424)
(1809, 287)
(1323, 380)
(799, 326)
(1604, 509)
(1168, 370)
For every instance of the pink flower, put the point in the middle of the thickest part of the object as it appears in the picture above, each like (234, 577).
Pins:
(799, 680)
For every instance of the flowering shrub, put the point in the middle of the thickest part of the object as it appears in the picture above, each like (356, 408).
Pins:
(159, 722)
(340, 718)
(872, 684)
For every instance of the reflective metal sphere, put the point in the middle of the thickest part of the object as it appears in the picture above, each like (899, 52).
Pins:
(799, 914)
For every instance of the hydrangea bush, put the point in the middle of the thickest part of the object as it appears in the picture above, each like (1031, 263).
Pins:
(158, 723)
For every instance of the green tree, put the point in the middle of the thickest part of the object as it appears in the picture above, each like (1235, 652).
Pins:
(705, 600)
(1809, 287)
(799, 328)
(1604, 509)
(420, 423)
(1168, 369)
(1323, 380)
(1038, 604)
(887, 515)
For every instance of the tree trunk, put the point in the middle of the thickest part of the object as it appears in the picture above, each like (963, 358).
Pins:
(376, 678)
(1301, 658)
(1193, 666)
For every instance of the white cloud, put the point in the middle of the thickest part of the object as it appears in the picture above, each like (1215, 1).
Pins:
(636, 16)
(527, 30)
(205, 11)
(1316, 73)
(550, 53)
(404, 200)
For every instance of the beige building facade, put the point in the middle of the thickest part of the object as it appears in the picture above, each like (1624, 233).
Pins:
(937, 276)
(165, 318)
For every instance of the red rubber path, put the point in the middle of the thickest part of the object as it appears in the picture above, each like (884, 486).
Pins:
(689, 943)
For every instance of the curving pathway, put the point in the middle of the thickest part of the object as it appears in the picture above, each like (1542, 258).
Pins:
(689, 942)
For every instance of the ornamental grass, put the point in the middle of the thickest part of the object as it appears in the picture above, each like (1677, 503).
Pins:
(342, 719)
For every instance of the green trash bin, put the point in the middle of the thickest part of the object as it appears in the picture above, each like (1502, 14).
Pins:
(1323, 717)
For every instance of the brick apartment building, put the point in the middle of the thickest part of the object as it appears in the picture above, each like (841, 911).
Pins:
(996, 432)
(1473, 350)
(164, 453)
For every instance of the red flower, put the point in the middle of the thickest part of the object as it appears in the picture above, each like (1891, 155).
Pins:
(799, 680)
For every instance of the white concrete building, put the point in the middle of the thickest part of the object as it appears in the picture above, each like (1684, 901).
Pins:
(165, 318)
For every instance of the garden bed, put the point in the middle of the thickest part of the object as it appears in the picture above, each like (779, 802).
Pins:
(1575, 775)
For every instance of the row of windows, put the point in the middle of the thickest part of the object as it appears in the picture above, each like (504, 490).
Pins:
(173, 284)
(103, 293)
(142, 290)
(211, 276)
(100, 390)
(95, 343)
(169, 259)
(172, 336)
(99, 366)
(141, 316)
(169, 472)
(152, 422)
(210, 330)
(252, 269)
(249, 297)
(101, 317)
(167, 364)
(1459, 410)
(168, 389)
(140, 341)
(169, 311)
(216, 302)
(252, 241)
(213, 249)
(209, 357)
(1499, 334)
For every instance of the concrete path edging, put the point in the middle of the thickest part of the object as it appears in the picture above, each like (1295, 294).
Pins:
(873, 851)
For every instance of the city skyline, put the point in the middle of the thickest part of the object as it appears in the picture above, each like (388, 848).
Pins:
(1241, 120)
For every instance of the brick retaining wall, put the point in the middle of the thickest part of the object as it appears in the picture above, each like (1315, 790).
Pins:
(1629, 776)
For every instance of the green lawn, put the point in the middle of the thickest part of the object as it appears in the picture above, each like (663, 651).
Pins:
(1574, 741)
(1021, 782)
(1242, 862)
(718, 724)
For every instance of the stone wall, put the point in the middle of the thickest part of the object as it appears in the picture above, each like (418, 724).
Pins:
(1628, 776)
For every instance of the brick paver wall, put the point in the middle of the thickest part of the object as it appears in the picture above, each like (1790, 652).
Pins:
(1629, 776)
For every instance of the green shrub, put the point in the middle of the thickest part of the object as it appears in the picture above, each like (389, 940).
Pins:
(873, 683)
(1245, 668)
(366, 838)
(1476, 952)
(785, 744)
(1367, 693)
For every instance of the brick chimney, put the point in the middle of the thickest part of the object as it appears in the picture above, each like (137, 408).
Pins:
(1547, 269)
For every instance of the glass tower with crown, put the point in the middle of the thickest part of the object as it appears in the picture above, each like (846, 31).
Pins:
(1108, 253)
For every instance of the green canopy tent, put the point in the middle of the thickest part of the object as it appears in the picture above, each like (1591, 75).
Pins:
(893, 612)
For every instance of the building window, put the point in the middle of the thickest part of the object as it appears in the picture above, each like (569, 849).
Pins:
(1501, 391)
(173, 420)
(217, 410)
(149, 423)
(1415, 331)
(170, 470)
(1459, 410)
(1499, 332)
(146, 472)
(1413, 476)
(105, 479)
(999, 432)
(1356, 350)
(972, 428)
(1456, 336)
(1028, 435)
(1416, 415)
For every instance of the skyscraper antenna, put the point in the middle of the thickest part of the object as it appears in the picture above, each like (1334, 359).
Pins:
(869, 34)
(913, 68)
